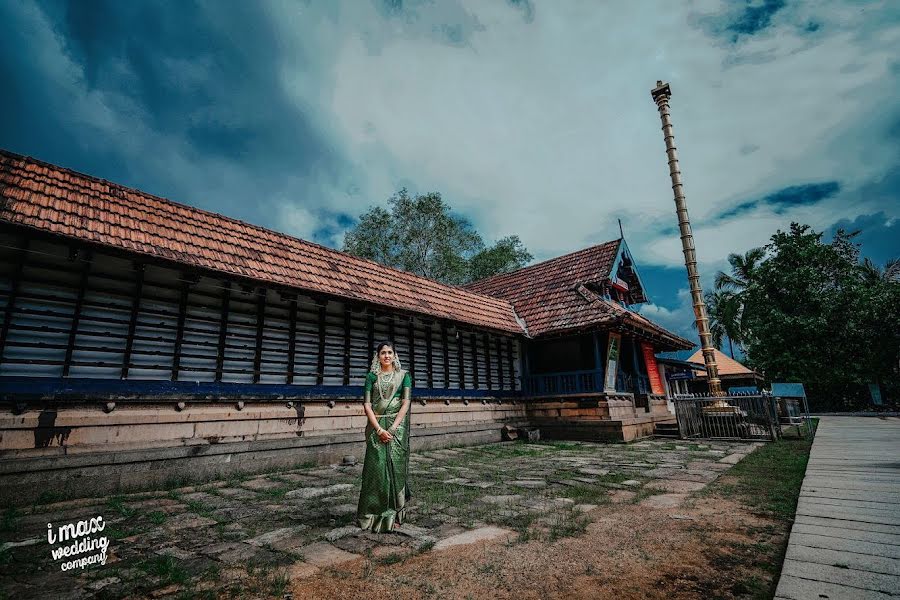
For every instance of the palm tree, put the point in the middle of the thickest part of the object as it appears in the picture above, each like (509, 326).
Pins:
(872, 273)
(721, 309)
(742, 269)
(729, 293)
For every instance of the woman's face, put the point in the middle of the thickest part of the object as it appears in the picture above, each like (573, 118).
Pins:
(386, 356)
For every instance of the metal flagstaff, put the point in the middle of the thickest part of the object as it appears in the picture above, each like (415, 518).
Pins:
(661, 94)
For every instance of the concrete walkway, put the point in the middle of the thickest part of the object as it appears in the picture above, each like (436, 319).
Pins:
(845, 542)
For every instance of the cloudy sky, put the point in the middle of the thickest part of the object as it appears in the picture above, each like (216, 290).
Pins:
(531, 118)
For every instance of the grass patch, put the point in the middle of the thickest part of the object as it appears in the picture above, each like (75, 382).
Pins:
(274, 493)
(515, 449)
(768, 479)
(117, 503)
(166, 568)
(157, 517)
(586, 493)
(10, 520)
(390, 559)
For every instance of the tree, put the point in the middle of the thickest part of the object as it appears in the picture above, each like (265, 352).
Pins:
(816, 318)
(732, 288)
(508, 254)
(722, 307)
(421, 235)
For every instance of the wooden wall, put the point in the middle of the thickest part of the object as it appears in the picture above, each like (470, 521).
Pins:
(73, 313)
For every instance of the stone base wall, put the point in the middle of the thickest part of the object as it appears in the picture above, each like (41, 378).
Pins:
(80, 449)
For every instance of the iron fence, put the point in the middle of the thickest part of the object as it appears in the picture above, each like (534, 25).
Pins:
(741, 417)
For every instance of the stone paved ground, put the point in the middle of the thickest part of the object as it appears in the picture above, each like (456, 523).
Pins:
(248, 537)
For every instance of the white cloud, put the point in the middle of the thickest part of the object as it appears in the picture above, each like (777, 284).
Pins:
(678, 319)
(547, 129)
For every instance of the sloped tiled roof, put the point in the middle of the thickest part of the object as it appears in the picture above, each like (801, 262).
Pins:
(557, 295)
(42, 196)
(728, 367)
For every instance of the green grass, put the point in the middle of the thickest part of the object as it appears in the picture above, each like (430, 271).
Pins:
(769, 479)
(10, 520)
(166, 568)
(117, 503)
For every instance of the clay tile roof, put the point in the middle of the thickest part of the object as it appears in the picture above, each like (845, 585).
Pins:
(727, 366)
(46, 197)
(562, 294)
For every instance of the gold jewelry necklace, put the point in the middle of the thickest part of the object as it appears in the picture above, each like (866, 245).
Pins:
(389, 379)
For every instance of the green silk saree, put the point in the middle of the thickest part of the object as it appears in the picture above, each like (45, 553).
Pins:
(384, 493)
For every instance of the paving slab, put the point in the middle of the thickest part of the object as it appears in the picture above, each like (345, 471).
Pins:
(847, 534)
(323, 554)
(475, 535)
(663, 501)
(863, 580)
(845, 540)
(797, 588)
(675, 485)
(840, 544)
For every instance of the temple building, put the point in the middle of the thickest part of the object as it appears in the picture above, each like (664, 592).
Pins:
(144, 341)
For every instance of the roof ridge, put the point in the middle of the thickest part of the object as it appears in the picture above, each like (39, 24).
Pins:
(568, 255)
(277, 234)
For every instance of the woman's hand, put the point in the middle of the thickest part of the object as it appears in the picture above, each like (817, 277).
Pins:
(385, 436)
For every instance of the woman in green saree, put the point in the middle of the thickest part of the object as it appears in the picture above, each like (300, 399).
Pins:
(386, 400)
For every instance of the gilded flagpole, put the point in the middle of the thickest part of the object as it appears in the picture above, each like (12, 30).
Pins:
(661, 94)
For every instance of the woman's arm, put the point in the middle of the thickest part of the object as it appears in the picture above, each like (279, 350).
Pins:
(367, 405)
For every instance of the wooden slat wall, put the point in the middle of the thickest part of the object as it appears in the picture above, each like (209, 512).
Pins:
(191, 328)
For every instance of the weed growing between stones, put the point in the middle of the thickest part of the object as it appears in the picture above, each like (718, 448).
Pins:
(117, 504)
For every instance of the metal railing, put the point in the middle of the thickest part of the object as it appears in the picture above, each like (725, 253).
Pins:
(571, 382)
(580, 382)
(750, 417)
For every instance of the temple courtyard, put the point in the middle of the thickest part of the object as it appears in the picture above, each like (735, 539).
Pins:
(655, 518)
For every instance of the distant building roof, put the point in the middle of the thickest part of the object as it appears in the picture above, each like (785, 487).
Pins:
(728, 367)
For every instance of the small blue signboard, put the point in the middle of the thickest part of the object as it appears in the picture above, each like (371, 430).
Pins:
(788, 390)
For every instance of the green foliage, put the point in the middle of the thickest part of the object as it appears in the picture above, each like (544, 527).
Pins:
(421, 235)
(725, 305)
(811, 312)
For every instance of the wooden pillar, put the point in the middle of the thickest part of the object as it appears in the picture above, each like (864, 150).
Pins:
(474, 344)
(429, 363)
(598, 361)
(460, 358)
(510, 365)
(260, 323)
(391, 330)
(370, 332)
(76, 316)
(445, 343)
(292, 339)
(412, 347)
(13, 293)
(223, 330)
(320, 366)
(179, 331)
(347, 322)
(499, 354)
(487, 359)
(132, 319)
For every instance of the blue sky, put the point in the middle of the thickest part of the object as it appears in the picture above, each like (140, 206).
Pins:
(531, 118)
